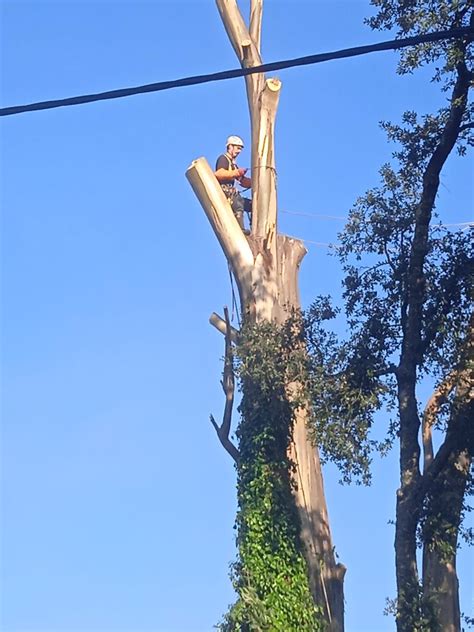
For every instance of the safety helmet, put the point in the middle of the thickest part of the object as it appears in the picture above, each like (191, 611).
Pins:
(235, 140)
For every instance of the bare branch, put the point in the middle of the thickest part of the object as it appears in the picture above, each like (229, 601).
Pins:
(256, 10)
(391, 369)
(466, 126)
(220, 324)
(388, 257)
(228, 385)
(238, 33)
(226, 443)
(381, 264)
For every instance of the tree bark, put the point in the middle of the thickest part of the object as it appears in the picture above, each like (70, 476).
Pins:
(440, 582)
(410, 498)
(249, 259)
(265, 266)
(446, 496)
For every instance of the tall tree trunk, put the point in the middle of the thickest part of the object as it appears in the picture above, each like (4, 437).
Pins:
(446, 495)
(266, 266)
(440, 581)
(408, 610)
(413, 486)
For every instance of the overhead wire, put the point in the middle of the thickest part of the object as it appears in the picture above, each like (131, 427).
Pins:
(465, 226)
(241, 72)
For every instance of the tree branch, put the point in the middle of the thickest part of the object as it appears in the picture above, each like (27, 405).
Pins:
(223, 222)
(228, 386)
(412, 350)
(389, 258)
(238, 33)
(220, 324)
(391, 369)
(256, 10)
(466, 126)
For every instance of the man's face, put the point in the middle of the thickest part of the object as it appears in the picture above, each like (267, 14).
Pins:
(234, 150)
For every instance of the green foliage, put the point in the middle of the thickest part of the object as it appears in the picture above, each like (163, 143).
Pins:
(408, 301)
(417, 17)
(345, 394)
(270, 575)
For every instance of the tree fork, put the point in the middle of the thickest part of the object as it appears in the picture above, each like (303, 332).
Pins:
(265, 266)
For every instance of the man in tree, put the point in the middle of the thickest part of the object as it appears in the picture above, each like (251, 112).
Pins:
(227, 172)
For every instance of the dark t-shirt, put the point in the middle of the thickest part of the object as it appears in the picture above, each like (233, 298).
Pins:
(224, 162)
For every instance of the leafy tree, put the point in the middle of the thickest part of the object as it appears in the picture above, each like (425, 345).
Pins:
(407, 294)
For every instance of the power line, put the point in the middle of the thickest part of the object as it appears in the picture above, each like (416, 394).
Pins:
(345, 218)
(241, 72)
(315, 215)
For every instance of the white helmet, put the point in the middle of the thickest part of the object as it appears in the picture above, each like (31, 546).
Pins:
(235, 140)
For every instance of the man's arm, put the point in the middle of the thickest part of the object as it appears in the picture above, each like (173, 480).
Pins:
(223, 173)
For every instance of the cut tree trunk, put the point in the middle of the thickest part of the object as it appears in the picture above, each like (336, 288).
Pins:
(265, 266)
(268, 290)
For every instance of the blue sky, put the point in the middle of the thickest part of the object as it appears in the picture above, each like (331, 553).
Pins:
(118, 502)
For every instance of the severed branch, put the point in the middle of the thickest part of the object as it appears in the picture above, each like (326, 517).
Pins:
(221, 325)
(228, 386)
(238, 33)
(263, 96)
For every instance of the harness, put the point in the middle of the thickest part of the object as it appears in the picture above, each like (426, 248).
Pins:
(229, 189)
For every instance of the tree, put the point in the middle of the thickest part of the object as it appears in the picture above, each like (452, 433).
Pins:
(285, 548)
(407, 294)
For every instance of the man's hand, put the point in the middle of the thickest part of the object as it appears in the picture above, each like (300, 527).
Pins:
(240, 173)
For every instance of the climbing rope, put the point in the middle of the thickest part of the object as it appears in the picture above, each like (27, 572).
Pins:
(235, 309)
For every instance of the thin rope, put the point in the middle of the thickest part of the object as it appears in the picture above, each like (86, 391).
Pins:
(315, 215)
(235, 309)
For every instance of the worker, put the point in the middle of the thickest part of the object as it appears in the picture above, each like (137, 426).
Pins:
(227, 173)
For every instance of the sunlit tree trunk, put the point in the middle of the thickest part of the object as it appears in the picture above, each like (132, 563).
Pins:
(265, 265)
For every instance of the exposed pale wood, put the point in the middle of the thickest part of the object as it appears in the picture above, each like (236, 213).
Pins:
(255, 272)
(223, 222)
(265, 195)
(326, 577)
(263, 102)
(237, 31)
(265, 266)
(256, 11)
(291, 252)
(219, 323)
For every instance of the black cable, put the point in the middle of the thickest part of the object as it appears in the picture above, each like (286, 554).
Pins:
(241, 72)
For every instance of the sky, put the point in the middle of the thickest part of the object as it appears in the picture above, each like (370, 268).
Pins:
(117, 501)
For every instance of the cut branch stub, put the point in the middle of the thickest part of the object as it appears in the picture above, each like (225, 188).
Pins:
(238, 33)
(220, 324)
(264, 217)
(223, 222)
